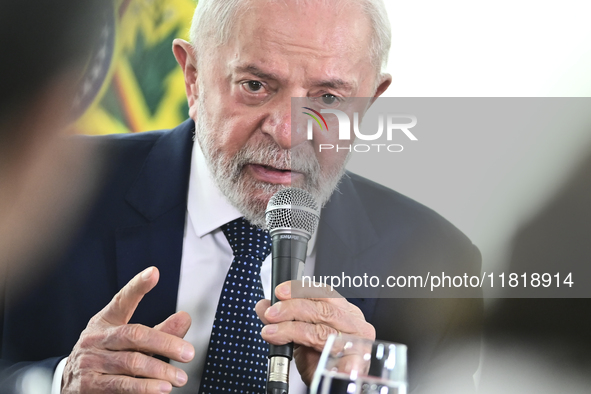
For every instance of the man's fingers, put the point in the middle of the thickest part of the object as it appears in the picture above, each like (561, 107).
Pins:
(114, 354)
(141, 365)
(313, 311)
(337, 313)
(125, 384)
(309, 322)
(177, 324)
(299, 289)
(148, 340)
(123, 305)
(305, 334)
(261, 307)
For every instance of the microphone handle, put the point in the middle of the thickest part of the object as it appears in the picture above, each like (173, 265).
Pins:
(289, 256)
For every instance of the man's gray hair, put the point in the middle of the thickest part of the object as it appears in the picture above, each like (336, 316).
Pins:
(213, 22)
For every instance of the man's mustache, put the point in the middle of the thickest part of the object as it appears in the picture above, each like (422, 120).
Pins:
(300, 159)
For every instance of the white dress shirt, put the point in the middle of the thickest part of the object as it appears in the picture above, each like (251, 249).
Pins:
(206, 258)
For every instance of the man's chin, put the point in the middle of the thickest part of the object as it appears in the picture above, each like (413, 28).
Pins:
(251, 200)
(261, 197)
(263, 194)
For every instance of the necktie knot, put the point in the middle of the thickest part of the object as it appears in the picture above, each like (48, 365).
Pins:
(247, 240)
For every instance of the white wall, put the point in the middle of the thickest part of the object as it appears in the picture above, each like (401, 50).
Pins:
(491, 49)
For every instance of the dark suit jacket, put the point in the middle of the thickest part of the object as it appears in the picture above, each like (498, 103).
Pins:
(138, 221)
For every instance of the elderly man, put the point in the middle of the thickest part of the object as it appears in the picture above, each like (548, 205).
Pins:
(180, 206)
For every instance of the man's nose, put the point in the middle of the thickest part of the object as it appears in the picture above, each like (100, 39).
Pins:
(278, 125)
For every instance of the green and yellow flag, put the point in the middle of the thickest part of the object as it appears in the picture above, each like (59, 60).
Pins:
(132, 82)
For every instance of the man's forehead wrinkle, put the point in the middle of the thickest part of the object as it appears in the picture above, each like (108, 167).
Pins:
(336, 83)
(329, 48)
(273, 58)
(256, 71)
(312, 45)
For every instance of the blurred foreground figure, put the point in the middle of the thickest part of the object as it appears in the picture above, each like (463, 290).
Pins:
(539, 345)
(44, 181)
(543, 345)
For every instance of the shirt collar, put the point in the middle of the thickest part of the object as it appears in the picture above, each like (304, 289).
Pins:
(207, 207)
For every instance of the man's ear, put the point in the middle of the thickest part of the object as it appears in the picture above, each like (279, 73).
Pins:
(185, 56)
(385, 81)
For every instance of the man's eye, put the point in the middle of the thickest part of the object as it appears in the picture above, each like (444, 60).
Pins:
(254, 86)
(329, 99)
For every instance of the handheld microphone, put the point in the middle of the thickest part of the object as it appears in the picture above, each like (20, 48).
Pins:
(292, 217)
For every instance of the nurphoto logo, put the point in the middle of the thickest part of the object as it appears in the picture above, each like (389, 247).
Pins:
(391, 123)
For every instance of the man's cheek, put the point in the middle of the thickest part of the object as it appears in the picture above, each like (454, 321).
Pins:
(193, 111)
(332, 156)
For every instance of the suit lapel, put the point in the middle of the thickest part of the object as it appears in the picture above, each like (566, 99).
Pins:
(159, 194)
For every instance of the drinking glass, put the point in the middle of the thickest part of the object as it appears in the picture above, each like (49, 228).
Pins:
(354, 365)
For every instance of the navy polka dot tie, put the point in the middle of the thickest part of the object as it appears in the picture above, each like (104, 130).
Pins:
(237, 356)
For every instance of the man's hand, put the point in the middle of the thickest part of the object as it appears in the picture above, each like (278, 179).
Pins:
(308, 322)
(113, 356)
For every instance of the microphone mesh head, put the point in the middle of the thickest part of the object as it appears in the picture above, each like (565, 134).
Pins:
(293, 208)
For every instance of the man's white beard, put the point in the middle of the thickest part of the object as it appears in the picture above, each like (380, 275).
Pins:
(248, 195)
